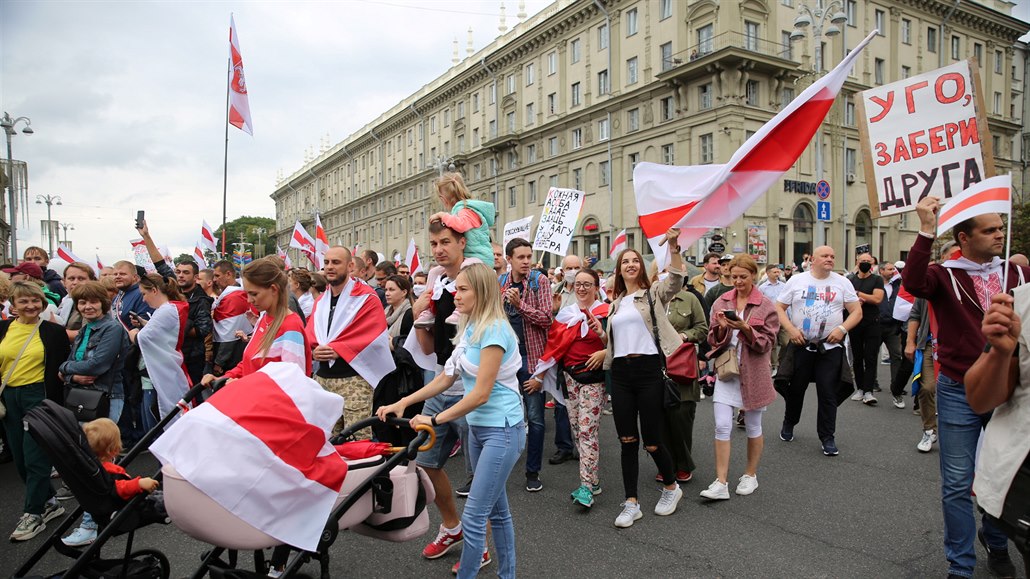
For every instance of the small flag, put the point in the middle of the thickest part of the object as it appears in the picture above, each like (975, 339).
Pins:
(302, 240)
(412, 260)
(198, 256)
(321, 242)
(992, 195)
(239, 107)
(66, 254)
(207, 237)
(282, 255)
(166, 253)
(100, 265)
(618, 244)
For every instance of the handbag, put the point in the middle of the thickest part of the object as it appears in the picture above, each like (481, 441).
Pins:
(87, 403)
(727, 365)
(581, 374)
(14, 364)
(670, 388)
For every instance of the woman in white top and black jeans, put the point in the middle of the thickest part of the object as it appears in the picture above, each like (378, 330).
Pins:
(636, 370)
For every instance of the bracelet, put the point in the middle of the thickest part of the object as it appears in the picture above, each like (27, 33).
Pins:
(843, 329)
(432, 420)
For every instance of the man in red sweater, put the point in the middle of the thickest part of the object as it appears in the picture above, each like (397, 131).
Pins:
(960, 290)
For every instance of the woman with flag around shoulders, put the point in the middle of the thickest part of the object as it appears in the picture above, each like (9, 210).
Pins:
(576, 344)
(487, 357)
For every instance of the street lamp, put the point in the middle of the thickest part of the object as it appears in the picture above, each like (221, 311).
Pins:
(49, 200)
(818, 18)
(10, 128)
(66, 227)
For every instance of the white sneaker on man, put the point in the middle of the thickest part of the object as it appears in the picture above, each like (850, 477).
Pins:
(929, 437)
(868, 399)
(717, 491)
(747, 484)
(630, 513)
(668, 501)
(857, 396)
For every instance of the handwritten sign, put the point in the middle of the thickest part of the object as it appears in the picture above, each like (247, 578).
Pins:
(518, 229)
(141, 256)
(558, 220)
(924, 135)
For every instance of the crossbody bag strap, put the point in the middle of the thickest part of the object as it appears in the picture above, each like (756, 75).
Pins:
(14, 364)
(654, 327)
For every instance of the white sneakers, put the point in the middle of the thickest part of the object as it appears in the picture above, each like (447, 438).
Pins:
(929, 437)
(869, 399)
(747, 485)
(720, 491)
(857, 396)
(668, 501)
(630, 513)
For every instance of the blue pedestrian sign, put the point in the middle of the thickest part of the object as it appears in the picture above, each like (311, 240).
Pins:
(823, 209)
(822, 190)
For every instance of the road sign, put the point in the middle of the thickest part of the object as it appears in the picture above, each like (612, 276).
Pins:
(822, 190)
(823, 209)
(716, 248)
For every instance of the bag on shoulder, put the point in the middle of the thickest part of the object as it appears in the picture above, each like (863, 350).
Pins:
(727, 365)
(14, 364)
(87, 403)
(671, 397)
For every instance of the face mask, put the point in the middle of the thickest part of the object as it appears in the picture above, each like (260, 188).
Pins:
(570, 276)
(418, 288)
(865, 267)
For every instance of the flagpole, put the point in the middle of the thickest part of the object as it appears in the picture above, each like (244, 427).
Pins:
(1008, 246)
(225, 158)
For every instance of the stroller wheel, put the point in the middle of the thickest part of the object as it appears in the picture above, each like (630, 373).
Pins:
(158, 557)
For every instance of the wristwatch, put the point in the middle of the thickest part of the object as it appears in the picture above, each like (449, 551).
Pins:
(432, 420)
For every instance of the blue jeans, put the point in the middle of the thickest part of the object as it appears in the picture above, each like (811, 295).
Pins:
(446, 435)
(535, 416)
(117, 404)
(148, 419)
(494, 451)
(958, 429)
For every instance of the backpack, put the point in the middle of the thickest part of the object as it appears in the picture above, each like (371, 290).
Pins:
(534, 279)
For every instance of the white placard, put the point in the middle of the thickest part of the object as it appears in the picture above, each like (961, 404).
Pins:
(517, 229)
(558, 220)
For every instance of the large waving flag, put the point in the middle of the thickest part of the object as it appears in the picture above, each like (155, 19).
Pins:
(618, 244)
(358, 332)
(207, 237)
(570, 324)
(411, 260)
(273, 466)
(160, 342)
(992, 195)
(321, 242)
(700, 198)
(229, 314)
(302, 240)
(239, 104)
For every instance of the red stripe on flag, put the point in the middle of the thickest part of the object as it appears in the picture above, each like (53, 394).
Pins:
(232, 305)
(271, 416)
(659, 222)
(781, 147)
(985, 196)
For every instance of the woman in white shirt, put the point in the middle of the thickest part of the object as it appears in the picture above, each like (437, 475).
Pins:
(636, 370)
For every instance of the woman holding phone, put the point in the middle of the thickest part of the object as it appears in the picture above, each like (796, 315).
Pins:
(744, 325)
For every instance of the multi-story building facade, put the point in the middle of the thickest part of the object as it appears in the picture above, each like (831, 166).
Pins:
(578, 94)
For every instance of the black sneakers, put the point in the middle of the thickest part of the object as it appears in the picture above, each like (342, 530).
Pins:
(998, 560)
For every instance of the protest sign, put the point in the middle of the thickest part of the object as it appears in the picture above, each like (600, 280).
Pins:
(558, 220)
(517, 229)
(924, 135)
(141, 256)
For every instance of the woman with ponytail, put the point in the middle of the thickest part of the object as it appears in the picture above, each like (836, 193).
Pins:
(279, 334)
(160, 343)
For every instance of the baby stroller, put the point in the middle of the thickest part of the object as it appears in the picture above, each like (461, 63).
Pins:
(57, 432)
(384, 495)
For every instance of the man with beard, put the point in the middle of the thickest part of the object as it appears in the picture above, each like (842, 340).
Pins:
(232, 316)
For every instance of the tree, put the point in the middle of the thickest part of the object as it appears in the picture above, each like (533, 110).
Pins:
(256, 231)
(1020, 228)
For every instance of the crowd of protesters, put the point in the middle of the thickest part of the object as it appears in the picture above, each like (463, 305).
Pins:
(485, 341)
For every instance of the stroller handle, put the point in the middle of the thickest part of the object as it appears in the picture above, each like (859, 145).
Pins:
(429, 443)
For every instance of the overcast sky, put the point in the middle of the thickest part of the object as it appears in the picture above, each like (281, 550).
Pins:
(127, 99)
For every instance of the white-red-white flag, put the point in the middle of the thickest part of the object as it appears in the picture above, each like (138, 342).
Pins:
(207, 237)
(411, 259)
(66, 254)
(160, 342)
(992, 195)
(239, 105)
(321, 242)
(198, 256)
(273, 466)
(618, 244)
(166, 253)
(229, 314)
(697, 199)
(100, 265)
(283, 256)
(302, 240)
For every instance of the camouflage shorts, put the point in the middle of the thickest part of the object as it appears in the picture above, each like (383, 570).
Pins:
(357, 401)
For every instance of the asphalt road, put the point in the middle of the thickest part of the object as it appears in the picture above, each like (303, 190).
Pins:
(873, 511)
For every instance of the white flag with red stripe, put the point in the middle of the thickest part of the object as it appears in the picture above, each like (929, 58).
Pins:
(282, 255)
(207, 237)
(358, 332)
(198, 256)
(66, 254)
(160, 342)
(321, 242)
(239, 104)
(570, 324)
(229, 314)
(618, 244)
(992, 195)
(411, 260)
(273, 466)
(302, 240)
(903, 305)
(699, 198)
(100, 265)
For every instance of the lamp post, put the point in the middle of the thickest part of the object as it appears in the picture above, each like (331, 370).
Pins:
(10, 128)
(66, 227)
(49, 200)
(818, 19)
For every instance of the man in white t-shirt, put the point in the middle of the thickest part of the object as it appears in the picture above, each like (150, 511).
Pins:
(817, 299)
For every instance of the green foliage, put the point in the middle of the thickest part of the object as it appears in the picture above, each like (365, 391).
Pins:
(249, 227)
(182, 258)
(1021, 228)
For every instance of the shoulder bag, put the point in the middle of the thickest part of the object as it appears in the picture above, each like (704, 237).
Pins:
(727, 363)
(670, 388)
(14, 364)
(87, 403)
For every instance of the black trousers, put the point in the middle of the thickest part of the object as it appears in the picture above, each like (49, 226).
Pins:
(637, 393)
(824, 369)
(865, 347)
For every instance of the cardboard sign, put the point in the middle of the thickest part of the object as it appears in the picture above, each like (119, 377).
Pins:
(517, 229)
(924, 135)
(558, 221)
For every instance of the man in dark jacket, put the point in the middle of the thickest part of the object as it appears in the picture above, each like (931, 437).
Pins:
(891, 329)
(198, 325)
(40, 257)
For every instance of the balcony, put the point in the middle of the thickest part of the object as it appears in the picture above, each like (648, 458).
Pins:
(727, 51)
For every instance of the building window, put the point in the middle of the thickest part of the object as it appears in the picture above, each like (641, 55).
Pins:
(575, 51)
(906, 71)
(751, 91)
(850, 161)
(602, 82)
(878, 66)
(931, 39)
(475, 137)
(510, 84)
(704, 38)
(978, 53)
(552, 147)
(996, 142)
(512, 197)
(475, 102)
(633, 158)
(493, 93)
(880, 22)
(552, 103)
(787, 3)
(631, 71)
(493, 129)
(577, 138)
(665, 51)
(664, 9)
(460, 112)
(633, 120)
(707, 148)
(631, 22)
(602, 130)
(787, 96)
(788, 47)
(604, 173)
(849, 113)
(493, 167)
(530, 154)
(531, 192)
(461, 143)
(552, 62)
(997, 103)
(665, 105)
(575, 94)
(510, 118)
(906, 31)
(704, 93)
(602, 37)
(553, 181)
(432, 125)
(998, 66)
(751, 35)
(577, 179)
(851, 10)
(955, 46)
(669, 154)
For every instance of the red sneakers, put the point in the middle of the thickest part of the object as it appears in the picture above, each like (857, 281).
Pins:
(486, 561)
(682, 476)
(443, 543)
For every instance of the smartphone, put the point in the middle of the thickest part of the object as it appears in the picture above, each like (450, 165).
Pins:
(139, 219)
(730, 315)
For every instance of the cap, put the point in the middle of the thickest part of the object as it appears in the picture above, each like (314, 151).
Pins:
(28, 268)
(725, 257)
(899, 264)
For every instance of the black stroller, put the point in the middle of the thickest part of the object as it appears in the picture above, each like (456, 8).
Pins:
(59, 435)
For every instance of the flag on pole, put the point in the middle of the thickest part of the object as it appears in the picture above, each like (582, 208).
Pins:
(321, 242)
(302, 240)
(166, 254)
(697, 199)
(207, 237)
(100, 264)
(992, 195)
(66, 254)
(618, 244)
(411, 259)
(283, 256)
(198, 256)
(239, 105)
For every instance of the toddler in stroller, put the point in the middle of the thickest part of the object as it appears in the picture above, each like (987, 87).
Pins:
(106, 441)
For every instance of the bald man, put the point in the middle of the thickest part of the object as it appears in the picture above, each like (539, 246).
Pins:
(817, 300)
(563, 294)
(1019, 259)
